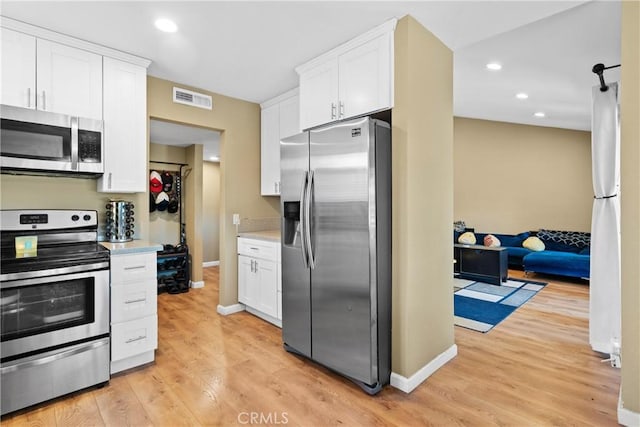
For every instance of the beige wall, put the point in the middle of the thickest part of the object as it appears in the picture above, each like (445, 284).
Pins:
(163, 226)
(422, 153)
(37, 192)
(630, 202)
(239, 122)
(510, 178)
(211, 211)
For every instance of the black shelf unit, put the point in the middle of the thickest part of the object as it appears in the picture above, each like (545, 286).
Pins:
(173, 265)
(173, 271)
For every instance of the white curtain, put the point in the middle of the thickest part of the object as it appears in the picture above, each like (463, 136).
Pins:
(604, 300)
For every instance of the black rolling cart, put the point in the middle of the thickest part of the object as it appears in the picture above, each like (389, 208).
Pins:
(173, 262)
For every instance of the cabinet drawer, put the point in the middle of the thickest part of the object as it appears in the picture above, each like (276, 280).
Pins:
(133, 268)
(134, 300)
(259, 249)
(134, 337)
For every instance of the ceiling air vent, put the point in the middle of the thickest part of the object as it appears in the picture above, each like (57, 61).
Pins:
(195, 99)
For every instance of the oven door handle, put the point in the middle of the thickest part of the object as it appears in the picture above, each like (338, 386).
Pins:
(38, 360)
(48, 273)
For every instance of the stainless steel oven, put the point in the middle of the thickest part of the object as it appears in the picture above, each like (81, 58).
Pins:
(54, 305)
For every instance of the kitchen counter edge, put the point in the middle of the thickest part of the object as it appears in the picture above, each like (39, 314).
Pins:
(132, 247)
(267, 235)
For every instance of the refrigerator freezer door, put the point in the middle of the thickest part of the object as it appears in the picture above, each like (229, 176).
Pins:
(343, 196)
(296, 298)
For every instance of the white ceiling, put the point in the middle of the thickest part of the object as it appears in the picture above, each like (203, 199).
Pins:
(248, 50)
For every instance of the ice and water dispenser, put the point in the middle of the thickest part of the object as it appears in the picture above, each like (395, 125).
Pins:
(291, 227)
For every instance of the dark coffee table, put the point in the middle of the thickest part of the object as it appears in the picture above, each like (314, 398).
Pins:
(482, 263)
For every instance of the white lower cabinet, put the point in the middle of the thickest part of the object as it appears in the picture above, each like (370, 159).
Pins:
(259, 278)
(134, 319)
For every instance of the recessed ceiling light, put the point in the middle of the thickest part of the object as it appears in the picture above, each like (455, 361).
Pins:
(214, 158)
(539, 114)
(494, 66)
(166, 25)
(522, 95)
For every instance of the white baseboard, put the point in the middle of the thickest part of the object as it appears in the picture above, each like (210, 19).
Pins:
(627, 417)
(210, 264)
(409, 384)
(226, 310)
(264, 316)
(198, 284)
(601, 347)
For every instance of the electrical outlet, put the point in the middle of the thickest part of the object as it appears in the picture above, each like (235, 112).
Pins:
(236, 219)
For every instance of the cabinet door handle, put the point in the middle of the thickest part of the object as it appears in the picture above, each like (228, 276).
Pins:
(136, 267)
(28, 97)
(333, 110)
(131, 301)
(109, 180)
(275, 187)
(130, 340)
(44, 102)
(341, 110)
(252, 266)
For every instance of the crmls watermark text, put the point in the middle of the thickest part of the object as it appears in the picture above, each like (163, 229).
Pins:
(263, 418)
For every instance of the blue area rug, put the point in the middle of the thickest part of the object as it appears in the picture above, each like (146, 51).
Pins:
(481, 306)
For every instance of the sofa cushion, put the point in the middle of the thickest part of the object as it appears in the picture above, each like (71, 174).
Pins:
(515, 255)
(509, 240)
(564, 241)
(491, 240)
(561, 263)
(534, 243)
(467, 238)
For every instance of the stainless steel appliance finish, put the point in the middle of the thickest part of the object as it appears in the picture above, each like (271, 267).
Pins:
(42, 142)
(336, 248)
(54, 307)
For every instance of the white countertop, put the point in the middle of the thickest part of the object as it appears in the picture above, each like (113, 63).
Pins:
(269, 235)
(134, 246)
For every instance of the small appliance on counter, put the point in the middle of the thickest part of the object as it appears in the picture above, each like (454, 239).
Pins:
(119, 221)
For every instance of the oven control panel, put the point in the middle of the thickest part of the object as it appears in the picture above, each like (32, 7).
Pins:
(50, 219)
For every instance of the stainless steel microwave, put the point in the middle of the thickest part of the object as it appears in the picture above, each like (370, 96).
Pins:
(42, 142)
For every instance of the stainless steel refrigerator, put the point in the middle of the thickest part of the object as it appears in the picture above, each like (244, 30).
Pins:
(336, 248)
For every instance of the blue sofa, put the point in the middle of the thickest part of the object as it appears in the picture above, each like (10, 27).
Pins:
(566, 253)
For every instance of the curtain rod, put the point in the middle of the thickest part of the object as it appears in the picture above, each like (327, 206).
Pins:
(598, 69)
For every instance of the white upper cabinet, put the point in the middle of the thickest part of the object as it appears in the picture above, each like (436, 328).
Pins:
(18, 59)
(68, 80)
(365, 78)
(269, 150)
(125, 128)
(279, 119)
(45, 70)
(319, 94)
(353, 79)
(289, 116)
(44, 75)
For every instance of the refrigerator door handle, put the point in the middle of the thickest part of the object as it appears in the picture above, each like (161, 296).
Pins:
(303, 232)
(307, 214)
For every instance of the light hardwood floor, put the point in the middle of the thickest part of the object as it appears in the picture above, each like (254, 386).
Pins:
(535, 368)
